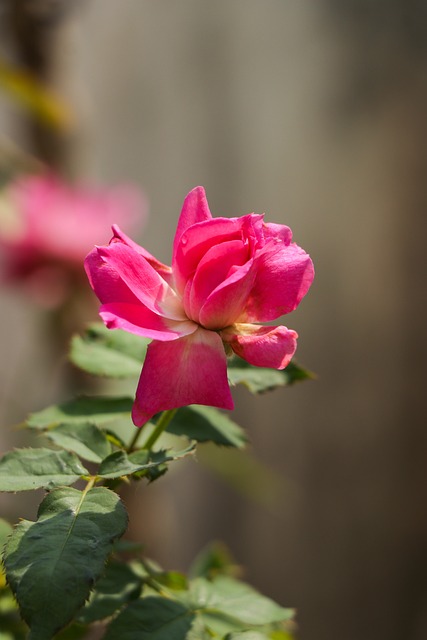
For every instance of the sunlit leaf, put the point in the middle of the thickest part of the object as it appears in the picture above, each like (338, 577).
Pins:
(261, 379)
(53, 563)
(114, 354)
(205, 424)
(5, 530)
(26, 469)
(228, 605)
(120, 463)
(246, 635)
(97, 410)
(86, 440)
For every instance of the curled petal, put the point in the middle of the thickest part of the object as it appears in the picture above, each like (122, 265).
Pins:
(277, 231)
(195, 209)
(106, 282)
(225, 304)
(284, 275)
(141, 279)
(262, 346)
(196, 241)
(213, 269)
(162, 269)
(191, 370)
(138, 319)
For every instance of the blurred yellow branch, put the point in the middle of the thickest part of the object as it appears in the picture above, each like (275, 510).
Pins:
(40, 101)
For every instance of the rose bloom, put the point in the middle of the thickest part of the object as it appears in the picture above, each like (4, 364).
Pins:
(47, 227)
(227, 275)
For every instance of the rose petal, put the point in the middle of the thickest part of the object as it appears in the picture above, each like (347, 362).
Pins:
(212, 270)
(198, 239)
(225, 304)
(195, 209)
(262, 346)
(142, 279)
(191, 370)
(162, 269)
(136, 318)
(277, 231)
(284, 275)
(64, 222)
(106, 282)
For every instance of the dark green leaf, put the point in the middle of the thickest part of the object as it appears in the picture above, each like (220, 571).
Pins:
(128, 546)
(73, 632)
(120, 463)
(260, 379)
(102, 352)
(205, 424)
(97, 410)
(26, 469)
(115, 588)
(86, 440)
(52, 564)
(152, 618)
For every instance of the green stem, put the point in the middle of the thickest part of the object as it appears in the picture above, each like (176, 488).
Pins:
(161, 425)
(132, 443)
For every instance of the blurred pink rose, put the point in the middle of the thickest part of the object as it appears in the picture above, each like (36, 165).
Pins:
(47, 227)
(227, 275)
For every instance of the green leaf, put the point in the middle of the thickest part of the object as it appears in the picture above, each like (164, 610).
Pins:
(199, 631)
(261, 379)
(52, 564)
(86, 440)
(214, 560)
(120, 463)
(280, 634)
(205, 424)
(172, 580)
(152, 572)
(26, 469)
(115, 588)
(74, 632)
(97, 410)
(5, 531)
(103, 352)
(152, 618)
(225, 601)
(244, 473)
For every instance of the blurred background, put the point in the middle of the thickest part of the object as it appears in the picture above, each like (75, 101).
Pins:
(314, 112)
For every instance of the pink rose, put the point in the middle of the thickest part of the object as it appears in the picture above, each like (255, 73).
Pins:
(47, 227)
(227, 275)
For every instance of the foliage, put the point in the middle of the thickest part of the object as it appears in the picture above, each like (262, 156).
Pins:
(66, 567)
